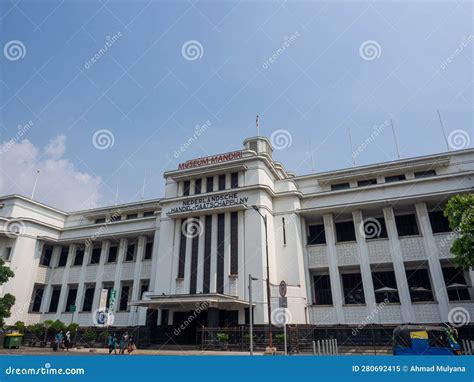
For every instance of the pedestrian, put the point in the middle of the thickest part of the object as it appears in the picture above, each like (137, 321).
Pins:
(131, 345)
(67, 340)
(110, 343)
(122, 343)
(60, 340)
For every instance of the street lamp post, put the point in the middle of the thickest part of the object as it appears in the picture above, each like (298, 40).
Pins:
(270, 342)
(251, 312)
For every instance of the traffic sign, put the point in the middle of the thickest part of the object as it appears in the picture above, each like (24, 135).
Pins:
(283, 288)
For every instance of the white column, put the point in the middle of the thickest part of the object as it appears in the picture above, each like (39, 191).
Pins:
(336, 288)
(100, 273)
(49, 288)
(64, 281)
(200, 265)
(398, 266)
(135, 294)
(431, 249)
(213, 279)
(82, 277)
(365, 270)
(187, 264)
(227, 251)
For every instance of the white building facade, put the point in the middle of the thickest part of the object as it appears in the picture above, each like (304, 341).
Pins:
(364, 244)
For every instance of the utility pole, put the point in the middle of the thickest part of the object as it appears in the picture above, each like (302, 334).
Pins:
(251, 312)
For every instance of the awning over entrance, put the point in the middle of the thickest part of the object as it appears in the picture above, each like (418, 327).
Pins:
(190, 301)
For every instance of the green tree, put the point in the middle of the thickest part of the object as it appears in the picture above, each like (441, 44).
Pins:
(7, 301)
(460, 214)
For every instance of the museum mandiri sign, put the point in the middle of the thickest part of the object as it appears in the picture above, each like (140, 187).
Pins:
(214, 159)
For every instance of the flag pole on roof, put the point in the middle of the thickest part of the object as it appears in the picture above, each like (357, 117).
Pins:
(257, 125)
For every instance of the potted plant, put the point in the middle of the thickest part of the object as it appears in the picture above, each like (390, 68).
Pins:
(89, 337)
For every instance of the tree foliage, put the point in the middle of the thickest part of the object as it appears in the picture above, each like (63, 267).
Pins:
(8, 300)
(460, 214)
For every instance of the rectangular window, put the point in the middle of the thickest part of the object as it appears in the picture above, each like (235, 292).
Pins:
(221, 182)
(37, 299)
(353, 288)
(406, 225)
(182, 249)
(419, 285)
(79, 258)
(234, 243)
(209, 184)
(63, 257)
(147, 214)
(130, 254)
(132, 216)
(100, 221)
(53, 305)
(95, 256)
(47, 254)
(385, 287)
(340, 186)
(322, 290)
(456, 285)
(394, 178)
(220, 252)
(234, 180)
(88, 299)
(124, 297)
(145, 285)
(374, 228)
(71, 298)
(284, 230)
(345, 231)
(197, 186)
(186, 187)
(207, 253)
(425, 174)
(7, 254)
(148, 251)
(316, 234)
(112, 257)
(439, 223)
(366, 182)
(194, 257)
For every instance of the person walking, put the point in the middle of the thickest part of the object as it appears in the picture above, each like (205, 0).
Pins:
(67, 340)
(122, 344)
(131, 345)
(60, 340)
(111, 343)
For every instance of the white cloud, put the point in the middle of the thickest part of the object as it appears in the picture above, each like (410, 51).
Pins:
(59, 184)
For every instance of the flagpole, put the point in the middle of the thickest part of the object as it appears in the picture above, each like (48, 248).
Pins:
(257, 125)
(395, 139)
(442, 129)
(34, 185)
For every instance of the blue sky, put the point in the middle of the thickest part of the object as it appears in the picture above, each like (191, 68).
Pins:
(150, 96)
